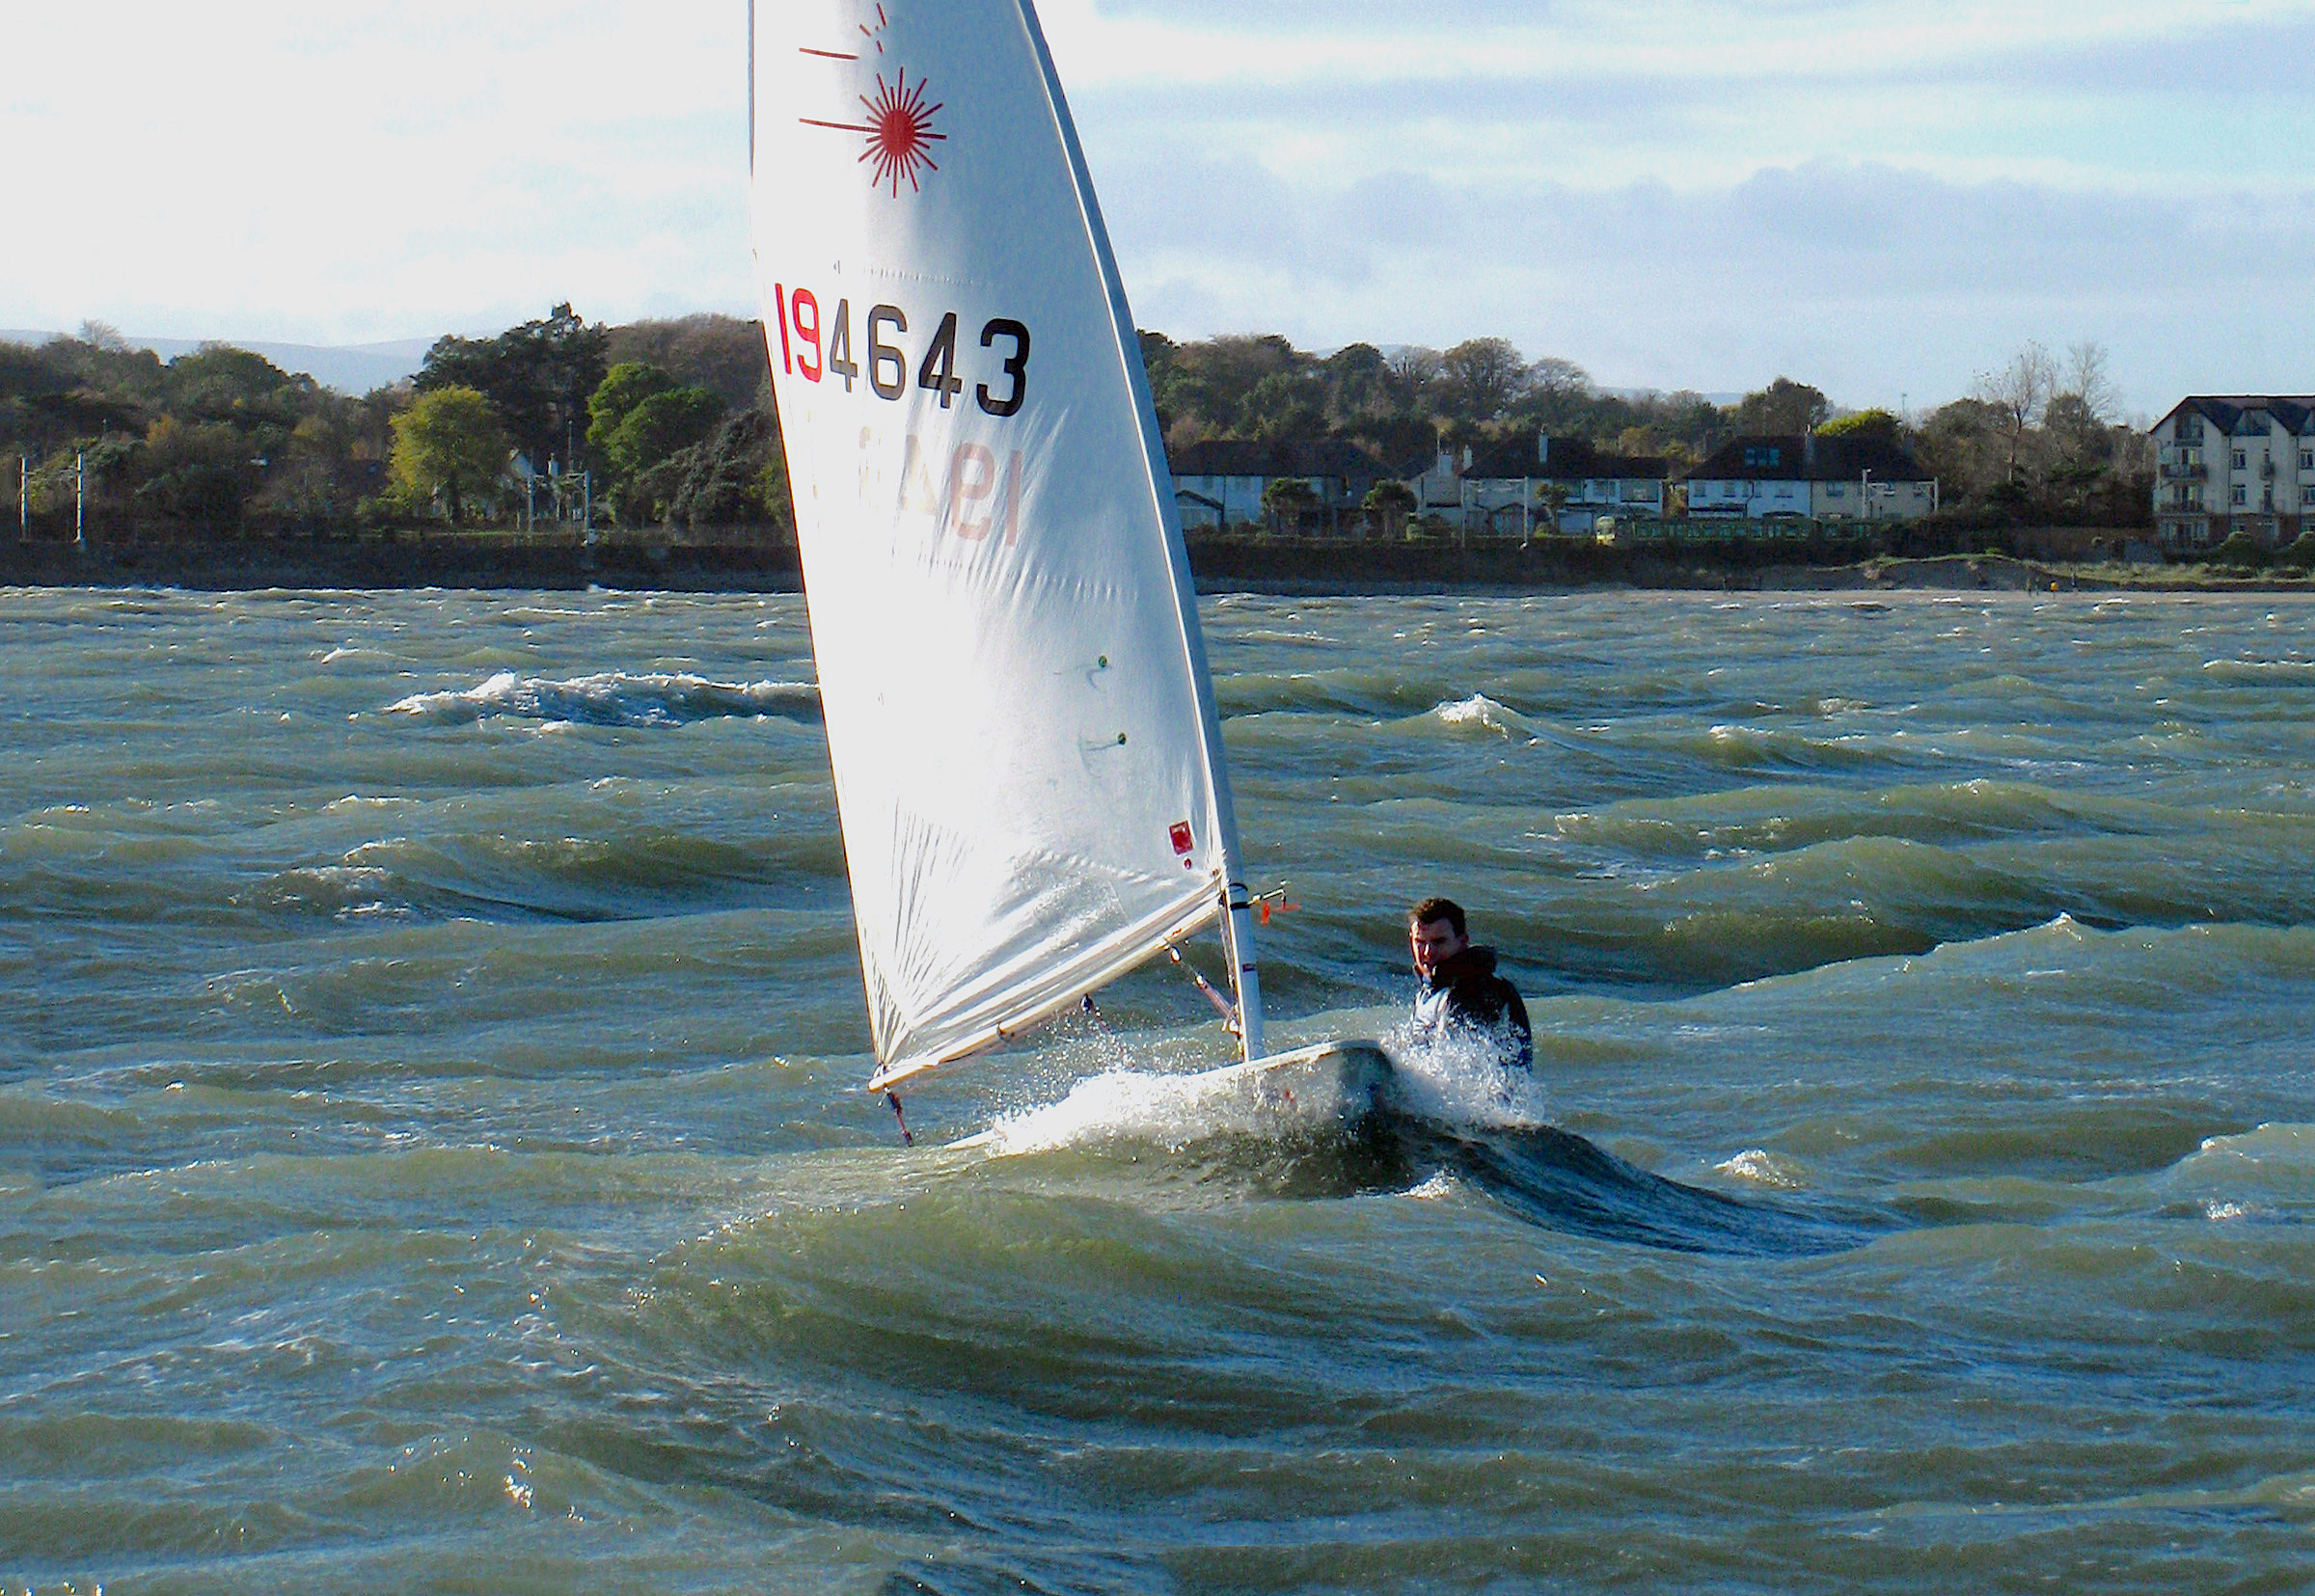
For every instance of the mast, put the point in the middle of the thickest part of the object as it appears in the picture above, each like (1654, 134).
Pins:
(1238, 916)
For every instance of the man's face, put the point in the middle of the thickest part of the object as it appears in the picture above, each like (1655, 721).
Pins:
(1435, 942)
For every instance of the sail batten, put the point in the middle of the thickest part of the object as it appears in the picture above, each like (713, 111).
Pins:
(1026, 753)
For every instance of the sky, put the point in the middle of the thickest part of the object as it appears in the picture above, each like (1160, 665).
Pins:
(1881, 197)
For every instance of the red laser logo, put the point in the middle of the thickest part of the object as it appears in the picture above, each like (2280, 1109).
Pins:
(900, 132)
(900, 124)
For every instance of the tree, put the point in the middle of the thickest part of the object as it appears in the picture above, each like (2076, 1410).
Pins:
(622, 387)
(736, 477)
(1285, 406)
(1865, 423)
(1481, 377)
(1358, 384)
(1560, 378)
(449, 444)
(651, 451)
(2087, 379)
(1287, 499)
(2018, 392)
(661, 426)
(196, 471)
(2083, 401)
(538, 376)
(1962, 445)
(1390, 501)
(720, 352)
(1784, 407)
(1414, 375)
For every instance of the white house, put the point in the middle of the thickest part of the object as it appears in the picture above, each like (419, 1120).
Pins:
(1509, 489)
(1220, 483)
(1844, 478)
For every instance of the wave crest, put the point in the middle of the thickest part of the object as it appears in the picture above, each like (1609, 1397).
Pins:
(612, 698)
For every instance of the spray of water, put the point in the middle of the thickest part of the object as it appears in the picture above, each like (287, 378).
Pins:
(1458, 1084)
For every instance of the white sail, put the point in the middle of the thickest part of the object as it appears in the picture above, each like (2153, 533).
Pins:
(1027, 758)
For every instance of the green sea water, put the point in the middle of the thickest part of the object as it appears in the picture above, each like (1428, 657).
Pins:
(431, 1157)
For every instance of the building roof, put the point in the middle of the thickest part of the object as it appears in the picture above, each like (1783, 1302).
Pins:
(1769, 458)
(2225, 411)
(1249, 457)
(1564, 460)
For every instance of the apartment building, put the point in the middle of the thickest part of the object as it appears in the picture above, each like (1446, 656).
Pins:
(2234, 463)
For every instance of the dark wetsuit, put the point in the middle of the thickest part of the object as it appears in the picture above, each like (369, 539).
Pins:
(1466, 994)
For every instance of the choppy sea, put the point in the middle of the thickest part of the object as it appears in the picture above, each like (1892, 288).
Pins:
(431, 1157)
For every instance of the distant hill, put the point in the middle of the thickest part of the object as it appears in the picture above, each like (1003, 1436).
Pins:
(354, 368)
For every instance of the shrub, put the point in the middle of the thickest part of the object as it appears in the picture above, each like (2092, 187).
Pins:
(2240, 549)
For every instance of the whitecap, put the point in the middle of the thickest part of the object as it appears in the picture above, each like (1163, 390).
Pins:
(611, 698)
(1760, 1167)
(1479, 709)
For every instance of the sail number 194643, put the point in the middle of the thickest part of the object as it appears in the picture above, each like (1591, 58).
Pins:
(819, 346)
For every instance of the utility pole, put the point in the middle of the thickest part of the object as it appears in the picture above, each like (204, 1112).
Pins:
(23, 497)
(80, 501)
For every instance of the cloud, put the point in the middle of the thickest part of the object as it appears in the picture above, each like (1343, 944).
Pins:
(1875, 282)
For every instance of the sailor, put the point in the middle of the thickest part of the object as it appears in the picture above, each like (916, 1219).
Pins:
(1460, 993)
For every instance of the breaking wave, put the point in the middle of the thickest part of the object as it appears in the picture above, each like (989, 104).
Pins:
(612, 698)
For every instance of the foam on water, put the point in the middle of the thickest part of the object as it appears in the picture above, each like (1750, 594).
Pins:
(611, 698)
(1482, 711)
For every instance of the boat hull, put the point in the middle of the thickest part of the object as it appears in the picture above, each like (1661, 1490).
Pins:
(1337, 1082)
(1318, 1091)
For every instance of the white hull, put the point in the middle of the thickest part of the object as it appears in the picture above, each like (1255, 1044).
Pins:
(1322, 1089)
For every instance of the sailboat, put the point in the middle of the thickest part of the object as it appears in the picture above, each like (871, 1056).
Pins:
(1028, 761)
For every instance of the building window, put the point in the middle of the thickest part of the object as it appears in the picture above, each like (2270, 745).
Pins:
(2241, 460)
(2306, 459)
(2190, 429)
(2242, 494)
(1833, 489)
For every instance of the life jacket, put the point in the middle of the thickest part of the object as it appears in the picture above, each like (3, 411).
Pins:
(1464, 993)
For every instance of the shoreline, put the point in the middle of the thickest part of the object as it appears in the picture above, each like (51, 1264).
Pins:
(1294, 569)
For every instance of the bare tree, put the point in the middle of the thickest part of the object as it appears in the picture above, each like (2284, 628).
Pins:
(1413, 370)
(1559, 378)
(2020, 392)
(2087, 378)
